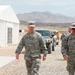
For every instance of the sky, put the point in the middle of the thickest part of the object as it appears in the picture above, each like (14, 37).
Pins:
(65, 7)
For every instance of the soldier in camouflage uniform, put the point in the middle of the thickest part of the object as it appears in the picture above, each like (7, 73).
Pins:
(62, 36)
(69, 31)
(33, 43)
(68, 50)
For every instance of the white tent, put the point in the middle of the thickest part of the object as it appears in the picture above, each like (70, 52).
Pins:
(9, 26)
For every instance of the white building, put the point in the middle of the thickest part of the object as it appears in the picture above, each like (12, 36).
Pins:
(9, 26)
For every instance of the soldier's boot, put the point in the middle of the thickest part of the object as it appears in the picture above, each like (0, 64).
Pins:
(71, 73)
(74, 73)
(29, 74)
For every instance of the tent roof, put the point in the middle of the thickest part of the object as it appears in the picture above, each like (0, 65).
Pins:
(7, 14)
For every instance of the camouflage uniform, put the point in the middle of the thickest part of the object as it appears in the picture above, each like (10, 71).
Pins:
(62, 36)
(68, 48)
(33, 45)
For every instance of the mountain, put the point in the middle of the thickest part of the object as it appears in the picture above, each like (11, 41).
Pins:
(45, 17)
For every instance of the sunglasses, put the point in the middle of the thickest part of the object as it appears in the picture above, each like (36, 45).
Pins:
(31, 24)
(73, 28)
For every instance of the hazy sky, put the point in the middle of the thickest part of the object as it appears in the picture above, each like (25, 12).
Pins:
(65, 7)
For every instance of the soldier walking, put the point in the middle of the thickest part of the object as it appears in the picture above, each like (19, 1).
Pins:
(33, 43)
(68, 50)
(62, 36)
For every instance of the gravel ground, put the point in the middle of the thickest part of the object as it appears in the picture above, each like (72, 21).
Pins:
(54, 64)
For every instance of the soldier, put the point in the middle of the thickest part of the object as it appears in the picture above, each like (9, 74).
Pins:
(69, 31)
(62, 36)
(33, 43)
(68, 50)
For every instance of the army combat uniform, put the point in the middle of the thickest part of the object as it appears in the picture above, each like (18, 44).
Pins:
(62, 36)
(68, 48)
(33, 45)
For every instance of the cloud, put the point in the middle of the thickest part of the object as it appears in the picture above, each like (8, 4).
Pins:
(46, 2)
(57, 6)
(39, 2)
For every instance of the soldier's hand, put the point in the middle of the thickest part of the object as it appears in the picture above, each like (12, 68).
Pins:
(44, 58)
(65, 57)
(17, 56)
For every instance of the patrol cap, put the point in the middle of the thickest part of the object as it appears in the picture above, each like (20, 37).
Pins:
(31, 24)
(73, 26)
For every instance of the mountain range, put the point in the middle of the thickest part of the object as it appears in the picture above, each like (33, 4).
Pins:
(45, 17)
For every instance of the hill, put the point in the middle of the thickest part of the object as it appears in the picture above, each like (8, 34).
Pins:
(45, 17)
